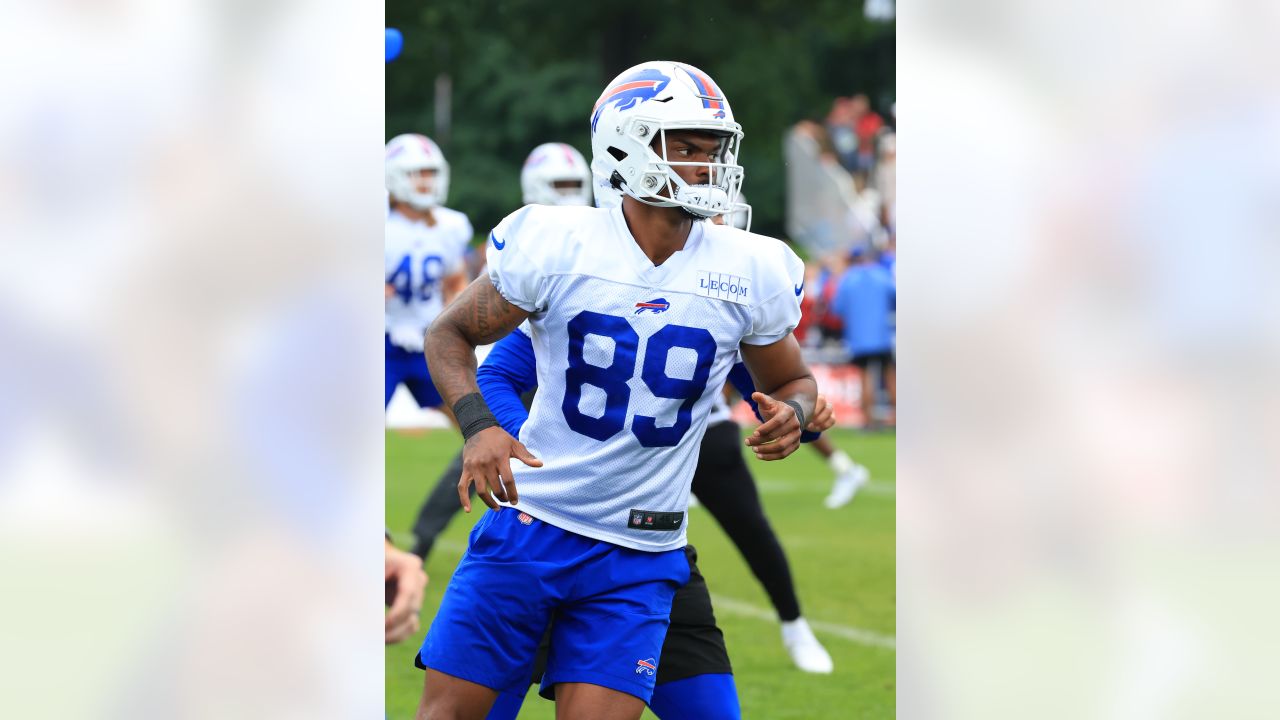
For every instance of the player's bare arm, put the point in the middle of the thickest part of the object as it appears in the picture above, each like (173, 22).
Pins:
(479, 316)
(779, 370)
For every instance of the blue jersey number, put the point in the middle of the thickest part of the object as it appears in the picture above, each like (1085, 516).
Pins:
(402, 278)
(613, 378)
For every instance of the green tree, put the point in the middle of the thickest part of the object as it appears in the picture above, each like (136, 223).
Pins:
(526, 72)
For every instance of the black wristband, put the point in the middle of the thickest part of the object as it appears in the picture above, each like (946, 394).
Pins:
(795, 405)
(473, 415)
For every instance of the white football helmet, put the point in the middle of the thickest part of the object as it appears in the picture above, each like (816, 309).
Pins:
(552, 163)
(606, 195)
(640, 106)
(410, 153)
(739, 215)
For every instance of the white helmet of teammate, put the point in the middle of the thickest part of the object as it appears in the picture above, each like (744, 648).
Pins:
(640, 106)
(409, 155)
(556, 174)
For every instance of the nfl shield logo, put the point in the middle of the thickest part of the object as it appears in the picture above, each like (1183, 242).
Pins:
(525, 518)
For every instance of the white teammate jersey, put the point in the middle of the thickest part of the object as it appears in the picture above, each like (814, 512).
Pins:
(630, 359)
(418, 257)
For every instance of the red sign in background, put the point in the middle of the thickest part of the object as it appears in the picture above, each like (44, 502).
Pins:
(840, 384)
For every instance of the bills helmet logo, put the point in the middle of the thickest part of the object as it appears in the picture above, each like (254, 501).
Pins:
(655, 306)
(633, 89)
(711, 97)
(647, 667)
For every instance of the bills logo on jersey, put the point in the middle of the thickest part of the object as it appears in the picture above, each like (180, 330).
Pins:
(644, 85)
(647, 667)
(655, 306)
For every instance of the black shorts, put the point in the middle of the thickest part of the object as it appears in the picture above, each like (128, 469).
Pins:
(694, 644)
(876, 360)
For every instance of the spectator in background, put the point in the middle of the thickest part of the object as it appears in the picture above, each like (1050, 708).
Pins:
(828, 322)
(841, 129)
(866, 125)
(820, 137)
(885, 178)
(868, 210)
(865, 300)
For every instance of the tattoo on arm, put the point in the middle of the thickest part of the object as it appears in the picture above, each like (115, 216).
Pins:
(479, 316)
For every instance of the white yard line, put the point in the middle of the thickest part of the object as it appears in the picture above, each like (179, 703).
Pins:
(729, 605)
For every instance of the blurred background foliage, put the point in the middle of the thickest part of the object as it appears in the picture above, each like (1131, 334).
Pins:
(524, 72)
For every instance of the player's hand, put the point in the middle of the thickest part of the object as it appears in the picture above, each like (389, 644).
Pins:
(824, 416)
(779, 435)
(389, 290)
(486, 461)
(404, 570)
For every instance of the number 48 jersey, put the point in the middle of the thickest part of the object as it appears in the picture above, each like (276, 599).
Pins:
(630, 358)
(417, 258)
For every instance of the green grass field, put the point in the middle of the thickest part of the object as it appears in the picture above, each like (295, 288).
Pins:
(842, 560)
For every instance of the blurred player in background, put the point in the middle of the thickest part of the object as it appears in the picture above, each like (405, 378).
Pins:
(556, 174)
(599, 544)
(425, 243)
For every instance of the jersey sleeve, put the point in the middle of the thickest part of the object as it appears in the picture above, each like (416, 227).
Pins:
(783, 288)
(514, 267)
(508, 371)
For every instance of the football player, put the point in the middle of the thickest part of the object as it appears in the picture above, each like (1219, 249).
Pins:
(425, 243)
(636, 316)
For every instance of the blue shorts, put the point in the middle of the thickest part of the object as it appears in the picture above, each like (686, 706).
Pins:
(410, 368)
(611, 606)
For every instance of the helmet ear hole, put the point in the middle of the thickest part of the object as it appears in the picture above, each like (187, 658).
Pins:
(617, 153)
(615, 180)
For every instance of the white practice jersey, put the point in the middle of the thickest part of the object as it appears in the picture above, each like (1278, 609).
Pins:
(630, 359)
(418, 258)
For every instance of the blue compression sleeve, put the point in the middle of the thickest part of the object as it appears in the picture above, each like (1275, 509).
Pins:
(697, 698)
(740, 377)
(507, 372)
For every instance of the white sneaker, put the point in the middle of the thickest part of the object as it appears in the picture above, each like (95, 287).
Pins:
(806, 652)
(846, 486)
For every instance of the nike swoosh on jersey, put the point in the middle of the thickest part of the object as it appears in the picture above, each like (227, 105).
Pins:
(799, 289)
(499, 245)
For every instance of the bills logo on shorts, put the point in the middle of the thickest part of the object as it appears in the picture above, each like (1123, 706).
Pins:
(648, 667)
(524, 518)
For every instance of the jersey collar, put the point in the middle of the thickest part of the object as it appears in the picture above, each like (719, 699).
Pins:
(644, 268)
